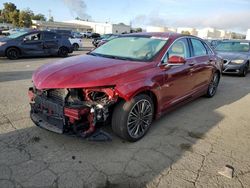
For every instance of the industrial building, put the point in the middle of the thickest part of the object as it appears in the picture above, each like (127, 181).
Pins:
(60, 25)
(103, 28)
(205, 33)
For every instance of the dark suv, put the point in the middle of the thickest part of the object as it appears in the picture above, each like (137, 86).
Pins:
(35, 43)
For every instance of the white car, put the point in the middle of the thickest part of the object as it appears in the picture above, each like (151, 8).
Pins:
(76, 43)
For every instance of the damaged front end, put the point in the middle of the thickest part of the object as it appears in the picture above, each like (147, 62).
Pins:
(72, 111)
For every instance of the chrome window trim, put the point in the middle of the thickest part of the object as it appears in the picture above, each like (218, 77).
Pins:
(183, 37)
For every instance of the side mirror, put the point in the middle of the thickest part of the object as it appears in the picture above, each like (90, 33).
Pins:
(24, 39)
(176, 60)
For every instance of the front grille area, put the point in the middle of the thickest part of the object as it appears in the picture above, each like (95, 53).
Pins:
(48, 111)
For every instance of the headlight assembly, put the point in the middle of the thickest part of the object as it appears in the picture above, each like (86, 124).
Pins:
(238, 61)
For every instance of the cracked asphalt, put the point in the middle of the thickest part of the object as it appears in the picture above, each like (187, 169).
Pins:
(185, 148)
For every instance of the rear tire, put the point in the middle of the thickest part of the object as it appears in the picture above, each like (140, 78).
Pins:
(75, 46)
(13, 53)
(63, 52)
(132, 119)
(212, 88)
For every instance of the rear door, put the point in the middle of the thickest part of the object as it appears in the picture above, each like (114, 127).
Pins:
(201, 69)
(51, 42)
(32, 44)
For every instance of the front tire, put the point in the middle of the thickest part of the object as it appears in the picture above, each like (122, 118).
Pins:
(132, 119)
(244, 70)
(12, 53)
(212, 88)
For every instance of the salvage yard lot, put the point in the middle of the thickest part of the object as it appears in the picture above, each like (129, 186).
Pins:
(185, 148)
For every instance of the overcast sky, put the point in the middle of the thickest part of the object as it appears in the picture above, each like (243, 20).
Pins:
(222, 14)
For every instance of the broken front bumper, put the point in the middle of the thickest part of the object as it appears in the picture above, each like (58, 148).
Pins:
(48, 115)
(54, 116)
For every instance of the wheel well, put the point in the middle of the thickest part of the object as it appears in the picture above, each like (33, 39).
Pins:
(153, 97)
(75, 44)
(64, 47)
(13, 47)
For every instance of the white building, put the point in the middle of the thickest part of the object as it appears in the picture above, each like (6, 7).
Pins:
(209, 33)
(190, 30)
(160, 29)
(103, 28)
(60, 25)
(248, 34)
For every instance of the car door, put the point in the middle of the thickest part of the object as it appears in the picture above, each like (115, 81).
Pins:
(32, 44)
(50, 42)
(178, 79)
(201, 69)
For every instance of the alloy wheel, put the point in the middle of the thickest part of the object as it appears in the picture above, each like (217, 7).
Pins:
(139, 118)
(214, 84)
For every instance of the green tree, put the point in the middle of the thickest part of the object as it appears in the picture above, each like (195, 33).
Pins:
(25, 18)
(14, 17)
(8, 9)
(185, 33)
(40, 17)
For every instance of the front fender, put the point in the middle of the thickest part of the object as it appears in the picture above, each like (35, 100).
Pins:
(128, 91)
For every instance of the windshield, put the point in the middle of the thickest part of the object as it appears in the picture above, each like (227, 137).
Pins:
(15, 35)
(233, 47)
(132, 48)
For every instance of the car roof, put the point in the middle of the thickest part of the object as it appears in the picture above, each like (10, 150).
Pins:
(157, 34)
(235, 40)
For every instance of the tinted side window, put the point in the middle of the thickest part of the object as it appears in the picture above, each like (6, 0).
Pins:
(32, 37)
(179, 48)
(49, 36)
(198, 47)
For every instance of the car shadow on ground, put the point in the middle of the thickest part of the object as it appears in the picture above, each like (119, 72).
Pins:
(33, 155)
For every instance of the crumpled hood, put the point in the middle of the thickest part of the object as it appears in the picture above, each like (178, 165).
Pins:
(85, 71)
(233, 55)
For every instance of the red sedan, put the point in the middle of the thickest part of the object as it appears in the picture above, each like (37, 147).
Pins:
(128, 82)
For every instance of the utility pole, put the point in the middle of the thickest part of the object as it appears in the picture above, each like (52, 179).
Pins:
(49, 14)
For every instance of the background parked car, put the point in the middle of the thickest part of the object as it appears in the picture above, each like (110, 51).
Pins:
(15, 30)
(76, 42)
(77, 35)
(103, 41)
(86, 34)
(213, 42)
(36, 43)
(96, 41)
(236, 56)
(91, 35)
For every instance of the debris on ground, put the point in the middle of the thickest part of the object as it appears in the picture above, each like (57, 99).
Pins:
(227, 171)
